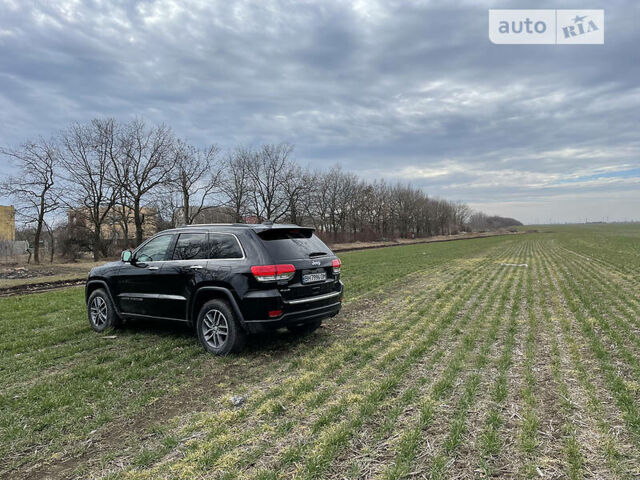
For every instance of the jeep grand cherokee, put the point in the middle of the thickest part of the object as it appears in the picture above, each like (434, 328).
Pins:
(226, 280)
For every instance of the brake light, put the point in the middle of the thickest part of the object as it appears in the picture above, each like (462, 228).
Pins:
(274, 313)
(336, 264)
(271, 273)
(286, 269)
(264, 273)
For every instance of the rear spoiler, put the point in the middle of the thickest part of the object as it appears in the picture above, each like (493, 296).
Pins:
(285, 231)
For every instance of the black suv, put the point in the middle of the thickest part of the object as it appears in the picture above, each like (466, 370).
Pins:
(227, 280)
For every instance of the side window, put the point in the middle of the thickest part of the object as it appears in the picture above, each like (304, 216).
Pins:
(224, 246)
(155, 250)
(191, 246)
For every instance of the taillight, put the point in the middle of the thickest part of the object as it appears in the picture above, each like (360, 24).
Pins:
(271, 273)
(264, 273)
(286, 271)
(336, 264)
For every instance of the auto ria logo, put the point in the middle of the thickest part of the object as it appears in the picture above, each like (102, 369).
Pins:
(562, 27)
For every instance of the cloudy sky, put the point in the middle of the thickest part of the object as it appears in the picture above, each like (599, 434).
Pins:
(406, 90)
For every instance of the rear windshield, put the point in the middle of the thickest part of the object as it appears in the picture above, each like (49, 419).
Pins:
(289, 244)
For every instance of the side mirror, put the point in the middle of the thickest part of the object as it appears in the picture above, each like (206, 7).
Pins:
(126, 256)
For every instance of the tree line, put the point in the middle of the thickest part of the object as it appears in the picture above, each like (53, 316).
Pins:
(115, 171)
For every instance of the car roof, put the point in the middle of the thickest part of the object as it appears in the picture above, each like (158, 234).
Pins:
(258, 227)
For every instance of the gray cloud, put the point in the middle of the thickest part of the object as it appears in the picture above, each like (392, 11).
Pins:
(412, 91)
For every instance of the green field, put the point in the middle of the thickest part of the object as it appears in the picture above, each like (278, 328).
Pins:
(449, 360)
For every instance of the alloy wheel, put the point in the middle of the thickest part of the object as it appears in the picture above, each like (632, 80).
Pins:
(215, 328)
(98, 311)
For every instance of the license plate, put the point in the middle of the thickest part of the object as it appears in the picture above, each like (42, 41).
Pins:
(314, 277)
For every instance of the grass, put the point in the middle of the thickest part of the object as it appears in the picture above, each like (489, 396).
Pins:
(444, 363)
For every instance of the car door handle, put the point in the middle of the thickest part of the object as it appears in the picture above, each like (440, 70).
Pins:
(154, 268)
(196, 267)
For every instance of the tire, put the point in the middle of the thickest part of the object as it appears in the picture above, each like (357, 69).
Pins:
(305, 328)
(218, 329)
(101, 312)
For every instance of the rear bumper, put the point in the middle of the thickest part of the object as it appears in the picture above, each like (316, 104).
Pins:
(295, 312)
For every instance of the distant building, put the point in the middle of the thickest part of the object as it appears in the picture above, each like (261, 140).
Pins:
(113, 227)
(7, 223)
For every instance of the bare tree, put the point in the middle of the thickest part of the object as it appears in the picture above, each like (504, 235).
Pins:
(461, 214)
(235, 181)
(89, 151)
(479, 221)
(319, 201)
(267, 170)
(51, 224)
(34, 188)
(296, 184)
(345, 208)
(196, 177)
(122, 213)
(143, 165)
(340, 187)
(331, 198)
(115, 171)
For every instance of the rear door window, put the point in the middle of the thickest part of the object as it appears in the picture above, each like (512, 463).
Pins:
(191, 246)
(224, 246)
(289, 244)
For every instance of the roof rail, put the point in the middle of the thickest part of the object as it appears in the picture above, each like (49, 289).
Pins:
(211, 225)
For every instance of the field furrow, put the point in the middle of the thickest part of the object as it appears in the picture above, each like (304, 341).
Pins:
(379, 378)
(607, 354)
(453, 424)
(437, 385)
(599, 438)
(490, 450)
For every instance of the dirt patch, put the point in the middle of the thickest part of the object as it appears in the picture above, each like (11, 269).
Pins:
(11, 273)
(16, 278)
(41, 287)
